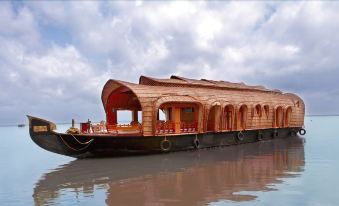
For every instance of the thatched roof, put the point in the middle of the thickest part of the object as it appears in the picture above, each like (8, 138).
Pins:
(176, 81)
(152, 92)
(201, 90)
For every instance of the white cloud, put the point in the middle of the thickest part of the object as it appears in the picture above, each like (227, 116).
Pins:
(65, 51)
(19, 24)
(57, 63)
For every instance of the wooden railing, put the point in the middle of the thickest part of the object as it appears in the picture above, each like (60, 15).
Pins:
(188, 127)
(168, 127)
(124, 128)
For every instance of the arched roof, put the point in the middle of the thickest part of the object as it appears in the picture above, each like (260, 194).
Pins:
(205, 95)
(150, 94)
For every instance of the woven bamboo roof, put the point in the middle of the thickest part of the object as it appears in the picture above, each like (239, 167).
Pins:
(153, 92)
(175, 81)
(203, 91)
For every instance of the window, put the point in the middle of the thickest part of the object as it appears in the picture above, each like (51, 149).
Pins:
(213, 118)
(279, 117)
(242, 114)
(267, 110)
(187, 110)
(258, 110)
(228, 117)
(288, 116)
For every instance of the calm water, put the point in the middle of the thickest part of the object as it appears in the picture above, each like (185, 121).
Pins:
(294, 171)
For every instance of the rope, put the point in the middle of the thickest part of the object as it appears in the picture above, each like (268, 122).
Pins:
(83, 143)
(90, 141)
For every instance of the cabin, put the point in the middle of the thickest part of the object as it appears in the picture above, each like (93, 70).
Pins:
(180, 105)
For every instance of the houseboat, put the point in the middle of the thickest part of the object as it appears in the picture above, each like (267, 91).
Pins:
(176, 114)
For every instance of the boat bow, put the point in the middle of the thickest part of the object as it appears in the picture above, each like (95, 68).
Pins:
(43, 134)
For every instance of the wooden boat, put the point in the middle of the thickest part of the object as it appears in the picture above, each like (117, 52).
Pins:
(196, 114)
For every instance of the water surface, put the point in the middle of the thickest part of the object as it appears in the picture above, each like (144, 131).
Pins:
(292, 171)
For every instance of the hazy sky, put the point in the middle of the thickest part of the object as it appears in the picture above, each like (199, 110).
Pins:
(55, 57)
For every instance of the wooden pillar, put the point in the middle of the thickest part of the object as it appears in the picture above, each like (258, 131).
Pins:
(217, 118)
(111, 116)
(283, 117)
(134, 115)
(236, 117)
(274, 118)
(196, 116)
(177, 119)
(221, 119)
(205, 117)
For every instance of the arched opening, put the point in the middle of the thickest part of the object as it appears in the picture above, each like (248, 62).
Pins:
(242, 117)
(213, 118)
(122, 111)
(279, 117)
(267, 110)
(176, 117)
(288, 114)
(228, 117)
(258, 111)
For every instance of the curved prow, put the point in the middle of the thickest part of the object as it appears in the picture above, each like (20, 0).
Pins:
(41, 132)
(37, 125)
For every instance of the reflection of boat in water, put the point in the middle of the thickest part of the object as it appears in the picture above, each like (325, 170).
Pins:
(185, 178)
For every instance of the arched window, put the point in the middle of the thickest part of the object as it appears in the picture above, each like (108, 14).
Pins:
(279, 117)
(242, 117)
(228, 117)
(258, 110)
(288, 114)
(267, 110)
(213, 118)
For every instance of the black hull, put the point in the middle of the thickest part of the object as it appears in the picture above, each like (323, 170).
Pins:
(95, 145)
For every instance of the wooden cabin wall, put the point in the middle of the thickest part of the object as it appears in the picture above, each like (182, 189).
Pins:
(147, 115)
(148, 95)
(187, 116)
(298, 114)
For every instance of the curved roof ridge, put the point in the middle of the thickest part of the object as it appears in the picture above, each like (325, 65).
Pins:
(175, 80)
(178, 77)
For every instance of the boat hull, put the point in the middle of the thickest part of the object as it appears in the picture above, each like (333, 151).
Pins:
(102, 145)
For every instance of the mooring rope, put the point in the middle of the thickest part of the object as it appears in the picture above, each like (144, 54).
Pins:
(87, 145)
(83, 143)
